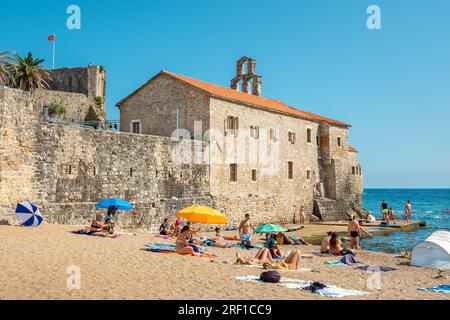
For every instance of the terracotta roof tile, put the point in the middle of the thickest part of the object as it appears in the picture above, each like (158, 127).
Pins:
(351, 149)
(245, 98)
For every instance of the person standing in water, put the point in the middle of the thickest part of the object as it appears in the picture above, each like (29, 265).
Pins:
(385, 210)
(408, 211)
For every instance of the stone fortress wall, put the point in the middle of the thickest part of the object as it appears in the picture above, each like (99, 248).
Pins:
(77, 89)
(66, 170)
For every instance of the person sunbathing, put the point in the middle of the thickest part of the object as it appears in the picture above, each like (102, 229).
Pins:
(275, 252)
(262, 256)
(325, 247)
(292, 262)
(96, 225)
(182, 244)
(164, 229)
(176, 228)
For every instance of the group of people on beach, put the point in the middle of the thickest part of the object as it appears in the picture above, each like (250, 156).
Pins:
(389, 213)
(106, 227)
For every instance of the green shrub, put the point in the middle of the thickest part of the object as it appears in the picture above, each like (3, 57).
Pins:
(56, 109)
(98, 101)
(91, 115)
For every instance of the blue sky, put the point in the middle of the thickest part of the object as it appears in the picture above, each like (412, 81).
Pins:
(392, 84)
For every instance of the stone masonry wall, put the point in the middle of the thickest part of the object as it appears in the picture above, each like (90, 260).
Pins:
(156, 104)
(77, 104)
(66, 170)
(273, 197)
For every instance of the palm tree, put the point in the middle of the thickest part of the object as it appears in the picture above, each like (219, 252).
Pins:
(6, 68)
(29, 74)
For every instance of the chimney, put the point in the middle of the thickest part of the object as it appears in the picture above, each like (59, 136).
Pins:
(247, 78)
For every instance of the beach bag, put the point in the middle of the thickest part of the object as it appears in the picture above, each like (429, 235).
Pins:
(349, 259)
(270, 277)
(315, 286)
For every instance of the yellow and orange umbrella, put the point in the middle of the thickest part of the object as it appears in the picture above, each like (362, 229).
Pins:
(204, 215)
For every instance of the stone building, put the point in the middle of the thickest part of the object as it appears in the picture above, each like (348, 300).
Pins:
(183, 142)
(311, 165)
(78, 89)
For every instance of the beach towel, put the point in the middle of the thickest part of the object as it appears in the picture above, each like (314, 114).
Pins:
(345, 261)
(240, 246)
(169, 248)
(167, 237)
(376, 268)
(279, 270)
(445, 288)
(328, 291)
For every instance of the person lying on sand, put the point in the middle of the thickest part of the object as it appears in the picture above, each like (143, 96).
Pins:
(292, 262)
(325, 247)
(182, 243)
(282, 239)
(264, 258)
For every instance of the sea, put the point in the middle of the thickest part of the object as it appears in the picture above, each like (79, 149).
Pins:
(428, 205)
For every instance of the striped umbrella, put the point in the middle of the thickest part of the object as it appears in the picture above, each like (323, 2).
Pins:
(28, 214)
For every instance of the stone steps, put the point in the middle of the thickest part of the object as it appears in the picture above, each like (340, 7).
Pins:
(332, 210)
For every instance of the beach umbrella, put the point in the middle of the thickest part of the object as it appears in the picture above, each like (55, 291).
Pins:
(270, 228)
(204, 215)
(119, 204)
(28, 214)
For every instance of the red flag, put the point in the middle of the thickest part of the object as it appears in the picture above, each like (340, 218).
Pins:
(51, 38)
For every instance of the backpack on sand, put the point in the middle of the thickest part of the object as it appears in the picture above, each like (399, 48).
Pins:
(270, 277)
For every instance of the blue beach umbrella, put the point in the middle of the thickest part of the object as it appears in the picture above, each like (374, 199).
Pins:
(28, 214)
(119, 204)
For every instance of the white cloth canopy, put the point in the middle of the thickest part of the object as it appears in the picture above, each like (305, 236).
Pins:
(433, 252)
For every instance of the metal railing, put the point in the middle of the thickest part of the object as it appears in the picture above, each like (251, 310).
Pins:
(108, 125)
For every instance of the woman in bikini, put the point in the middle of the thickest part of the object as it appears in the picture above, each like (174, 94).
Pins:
(264, 258)
(292, 262)
(182, 244)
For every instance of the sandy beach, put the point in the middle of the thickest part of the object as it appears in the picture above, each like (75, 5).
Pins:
(34, 265)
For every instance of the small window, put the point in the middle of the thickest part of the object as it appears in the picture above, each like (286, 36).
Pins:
(254, 176)
(131, 172)
(290, 170)
(273, 135)
(94, 171)
(308, 174)
(233, 172)
(254, 132)
(318, 141)
(231, 125)
(309, 135)
(69, 169)
(291, 137)
(353, 170)
(339, 142)
(136, 126)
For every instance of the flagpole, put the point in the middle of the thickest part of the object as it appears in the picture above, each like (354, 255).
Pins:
(54, 46)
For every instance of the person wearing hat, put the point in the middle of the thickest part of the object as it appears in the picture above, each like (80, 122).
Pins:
(176, 227)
